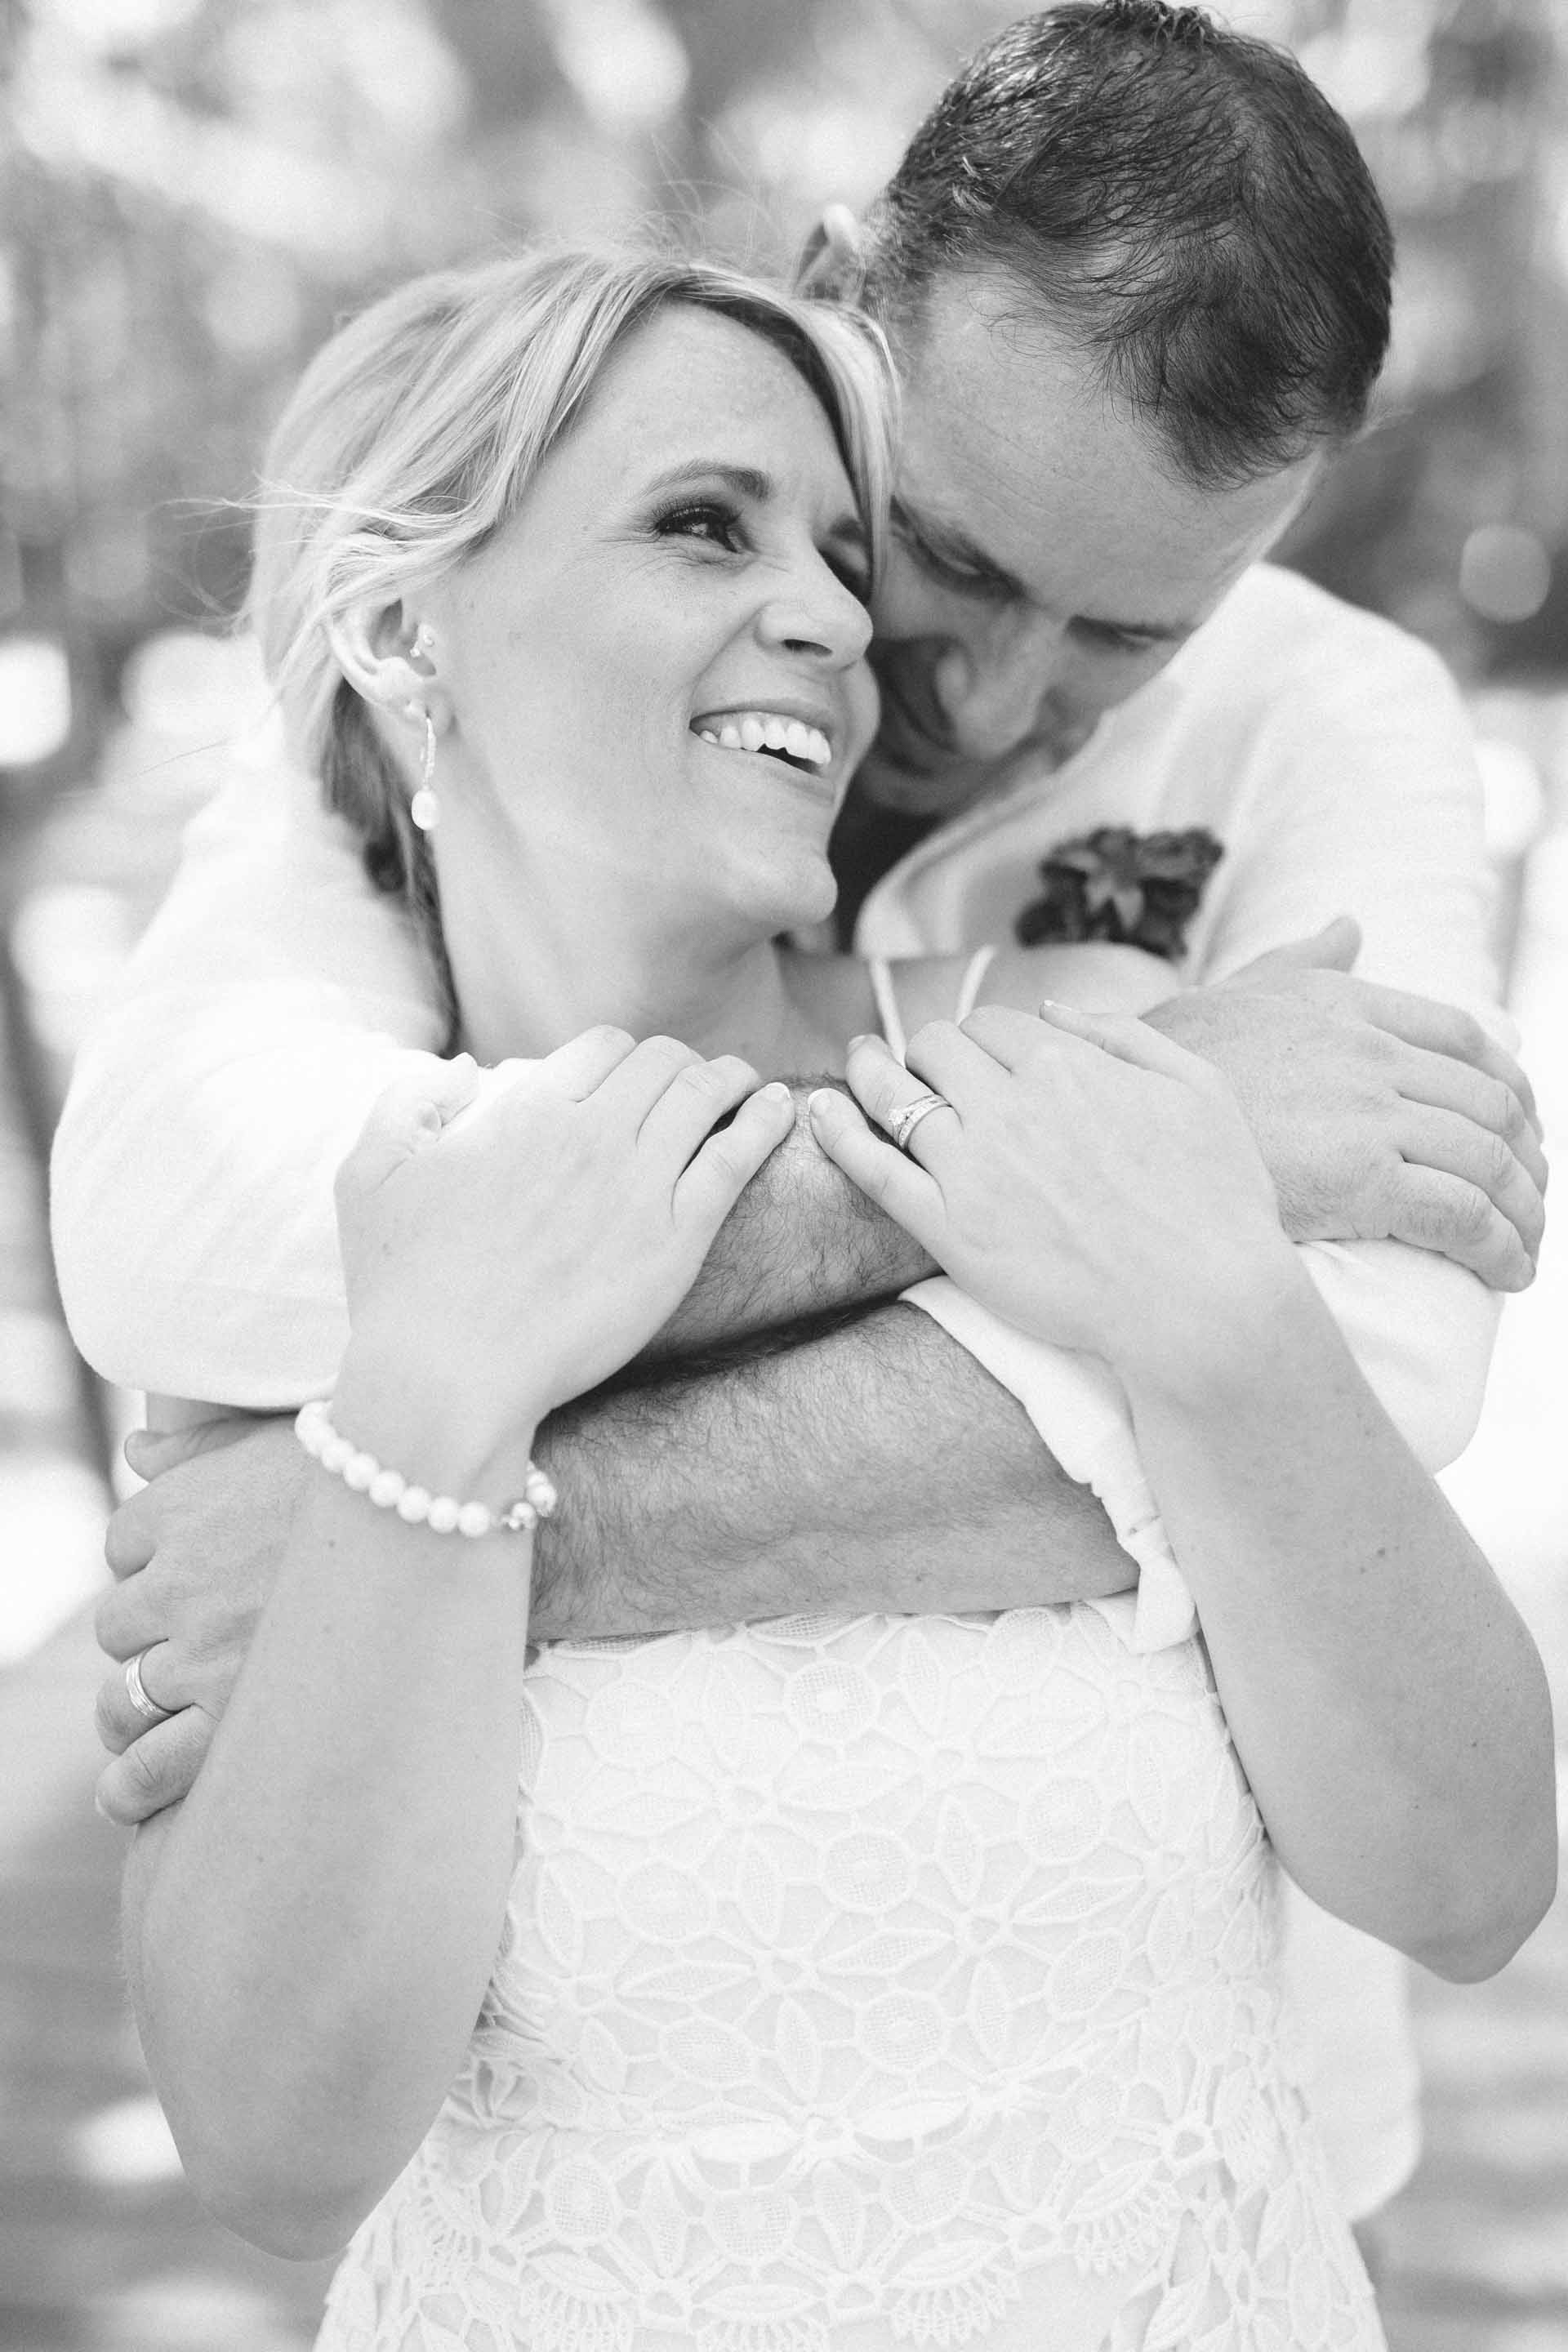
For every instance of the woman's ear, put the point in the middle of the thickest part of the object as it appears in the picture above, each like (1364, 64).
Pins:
(387, 655)
(832, 264)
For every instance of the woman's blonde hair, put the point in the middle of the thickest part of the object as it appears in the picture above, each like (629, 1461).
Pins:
(414, 436)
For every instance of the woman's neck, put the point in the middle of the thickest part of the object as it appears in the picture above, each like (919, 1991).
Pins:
(524, 992)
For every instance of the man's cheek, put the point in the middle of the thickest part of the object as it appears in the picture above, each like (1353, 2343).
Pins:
(908, 602)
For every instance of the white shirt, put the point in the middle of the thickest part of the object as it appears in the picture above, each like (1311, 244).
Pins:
(276, 993)
(1331, 755)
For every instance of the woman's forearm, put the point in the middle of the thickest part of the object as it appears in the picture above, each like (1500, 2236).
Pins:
(310, 1937)
(1386, 1700)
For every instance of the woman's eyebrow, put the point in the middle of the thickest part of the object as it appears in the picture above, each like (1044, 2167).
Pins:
(746, 481)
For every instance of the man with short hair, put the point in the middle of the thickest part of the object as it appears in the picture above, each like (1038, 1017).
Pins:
(1137, 280)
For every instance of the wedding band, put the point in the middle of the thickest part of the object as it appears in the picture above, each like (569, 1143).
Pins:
(136, 1689)
(902, 1122)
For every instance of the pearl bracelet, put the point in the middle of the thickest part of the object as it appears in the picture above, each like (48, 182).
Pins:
(390, 1490)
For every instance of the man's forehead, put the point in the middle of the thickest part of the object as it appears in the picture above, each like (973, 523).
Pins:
(1013, 448)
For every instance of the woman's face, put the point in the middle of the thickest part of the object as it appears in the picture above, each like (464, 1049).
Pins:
(655, 669)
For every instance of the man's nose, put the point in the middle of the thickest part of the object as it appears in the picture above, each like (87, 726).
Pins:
(992, 702)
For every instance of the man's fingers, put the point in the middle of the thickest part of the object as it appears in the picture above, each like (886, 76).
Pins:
(130, 1616)
(1447, 1031)
(151, 1451)
(884, 1174)
(1444, 1214)
(1334, 948)
(725, 1164)
(128, 1541)
(117, 1718)
(158, 1770)
(1445, 1139)
(1447, 1084)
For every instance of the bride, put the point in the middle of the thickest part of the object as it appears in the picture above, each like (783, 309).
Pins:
(821, 1985)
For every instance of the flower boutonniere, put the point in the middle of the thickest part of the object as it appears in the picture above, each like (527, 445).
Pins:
(1135, 889)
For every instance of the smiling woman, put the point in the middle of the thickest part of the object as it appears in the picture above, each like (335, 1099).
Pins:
(694, 553)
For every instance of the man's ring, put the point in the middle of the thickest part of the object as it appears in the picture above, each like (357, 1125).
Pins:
(136, 1689)
(902, 1122)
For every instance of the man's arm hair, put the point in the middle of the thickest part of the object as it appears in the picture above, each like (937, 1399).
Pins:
(874, 1468)
(802, 1252)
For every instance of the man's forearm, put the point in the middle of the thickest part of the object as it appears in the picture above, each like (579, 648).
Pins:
(876, 1468)
(802, 1242)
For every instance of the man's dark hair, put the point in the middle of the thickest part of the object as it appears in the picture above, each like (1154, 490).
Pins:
(1181, 201)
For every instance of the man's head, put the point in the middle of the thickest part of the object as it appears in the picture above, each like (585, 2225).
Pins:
(1137, 277)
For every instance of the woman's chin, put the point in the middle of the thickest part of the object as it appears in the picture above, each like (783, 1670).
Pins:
(798, 891)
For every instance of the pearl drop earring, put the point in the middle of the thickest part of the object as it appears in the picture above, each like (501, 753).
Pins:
(425, 809)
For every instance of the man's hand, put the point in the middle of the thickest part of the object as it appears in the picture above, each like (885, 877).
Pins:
(1381, 1115)
(195, 1555)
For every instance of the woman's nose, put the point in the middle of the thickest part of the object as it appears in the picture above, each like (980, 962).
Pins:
(817, 614)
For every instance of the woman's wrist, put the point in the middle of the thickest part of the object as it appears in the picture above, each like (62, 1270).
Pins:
(1206, 1346)
(440, 1432)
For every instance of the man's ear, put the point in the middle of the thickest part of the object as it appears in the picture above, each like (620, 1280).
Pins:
(832, 264)
(386, 654)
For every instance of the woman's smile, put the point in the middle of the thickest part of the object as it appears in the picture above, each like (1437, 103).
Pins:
(688, 565)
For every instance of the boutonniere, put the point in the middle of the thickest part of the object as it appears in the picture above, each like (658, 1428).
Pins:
(1135, 889)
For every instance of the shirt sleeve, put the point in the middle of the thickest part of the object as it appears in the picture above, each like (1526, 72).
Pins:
(1080, 1407)
(274, 996)
(1363, 797)
(1366, 799)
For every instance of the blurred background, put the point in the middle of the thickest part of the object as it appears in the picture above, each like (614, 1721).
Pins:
(191, 192)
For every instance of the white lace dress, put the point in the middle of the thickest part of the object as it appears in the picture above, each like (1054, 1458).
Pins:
(871, 1983)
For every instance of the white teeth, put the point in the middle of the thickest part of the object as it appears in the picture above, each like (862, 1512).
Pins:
(758, 730)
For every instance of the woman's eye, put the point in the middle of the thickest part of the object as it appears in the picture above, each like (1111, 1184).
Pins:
(719, 525)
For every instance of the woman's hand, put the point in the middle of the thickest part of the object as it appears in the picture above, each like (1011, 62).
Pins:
(1092, 1183)
(516, 1235)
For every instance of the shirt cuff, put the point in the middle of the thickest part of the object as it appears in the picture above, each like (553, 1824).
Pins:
(1080, 1408)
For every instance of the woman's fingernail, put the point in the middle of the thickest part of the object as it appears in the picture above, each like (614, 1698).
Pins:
(776, 1090)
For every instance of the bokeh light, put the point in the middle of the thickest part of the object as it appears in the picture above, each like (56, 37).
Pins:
(1505, 572)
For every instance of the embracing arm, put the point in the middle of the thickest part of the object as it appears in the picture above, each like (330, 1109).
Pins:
(275, 994)
(873, 1468)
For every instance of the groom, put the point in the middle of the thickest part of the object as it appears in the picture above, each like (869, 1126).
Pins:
(1137, 279)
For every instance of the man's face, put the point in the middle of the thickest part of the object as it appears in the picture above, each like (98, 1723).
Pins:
(1045, 562)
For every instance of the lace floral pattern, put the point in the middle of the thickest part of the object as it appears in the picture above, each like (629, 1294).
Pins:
(899, 1982)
